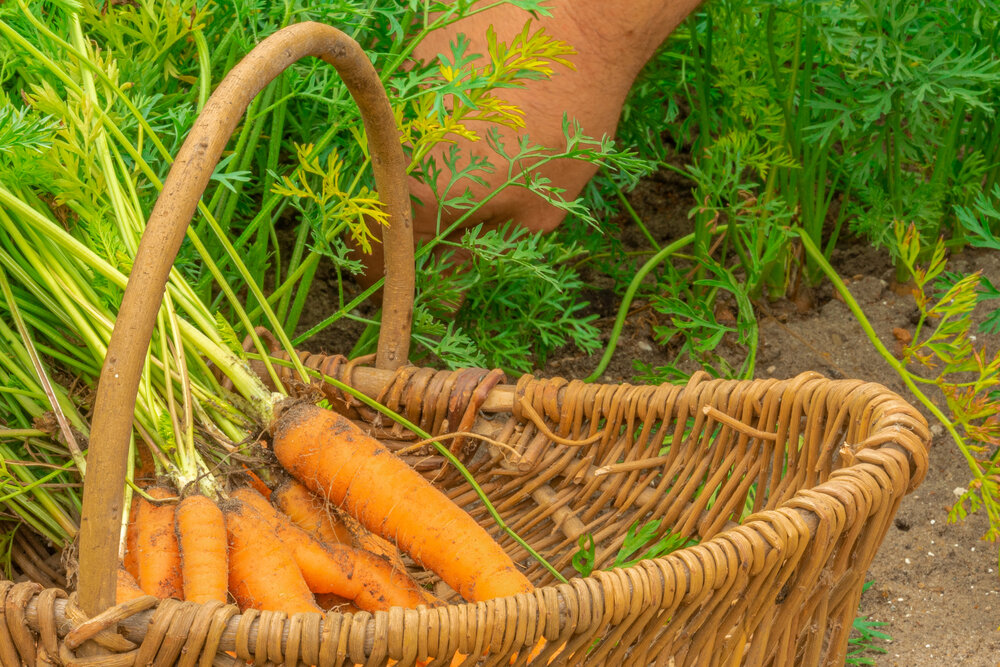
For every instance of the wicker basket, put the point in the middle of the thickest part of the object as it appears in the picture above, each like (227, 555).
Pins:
(787, 486)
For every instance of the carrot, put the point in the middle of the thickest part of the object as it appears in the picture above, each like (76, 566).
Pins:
(364, 539)
(262, 572)
(328, 524)
(367, 580)
(130, 558)
(310, 513)
(201, 532)
(126, 589)
(157, 552)
(336, 460)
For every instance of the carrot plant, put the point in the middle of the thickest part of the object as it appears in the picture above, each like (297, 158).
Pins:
(857, 99)
(828, 119)
(981, 222)
(168, 58)
(866, 638)
(503, 292)
(71, 223)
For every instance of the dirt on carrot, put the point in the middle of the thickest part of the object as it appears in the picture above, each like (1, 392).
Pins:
(157, 551)
(126, 588)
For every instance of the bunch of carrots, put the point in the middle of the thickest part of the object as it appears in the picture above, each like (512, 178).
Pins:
(63, 276)
(323, 537)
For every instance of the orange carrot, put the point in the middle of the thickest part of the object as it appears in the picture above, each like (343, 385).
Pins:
(130, 559)
(310, 513)
(201, 532)
(257, 483)
(336, 460)
(367, 580)
(157, 552)
(262, 572)
(328, 524)
(364, 539)
(126, 588)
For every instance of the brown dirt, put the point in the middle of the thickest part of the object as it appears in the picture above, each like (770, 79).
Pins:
(936, 583)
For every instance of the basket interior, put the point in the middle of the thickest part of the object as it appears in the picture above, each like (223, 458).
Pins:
(696, 459)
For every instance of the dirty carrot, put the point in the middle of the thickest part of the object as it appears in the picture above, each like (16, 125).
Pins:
(336, 460)
(367, 580)
(364, 539)
(157, 552)
(130, 559)
(201, 532)
(262, 573)
(126, 588)
(310, 513)
(328, 524)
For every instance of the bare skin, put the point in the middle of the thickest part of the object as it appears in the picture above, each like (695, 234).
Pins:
(613, 40)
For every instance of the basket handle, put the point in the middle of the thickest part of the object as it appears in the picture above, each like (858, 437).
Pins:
(188, 177)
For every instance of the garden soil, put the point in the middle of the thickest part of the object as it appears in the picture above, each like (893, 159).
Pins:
(935, 583)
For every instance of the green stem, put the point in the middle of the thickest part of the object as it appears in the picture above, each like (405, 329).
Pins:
(895, 364)
(296, 269)
(703, 65)
(895, 161)
(244, 380)
(222, 194)
(633, 287)
(231, 295)
(204, 68)
(944, 164)
(992, 143)
(636, 218)
(43, 378)
(44, 508)
(831, 242)
(602, 255)
(21, 433)
(301, 295)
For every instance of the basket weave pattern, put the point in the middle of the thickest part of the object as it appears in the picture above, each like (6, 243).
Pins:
(829, 462)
